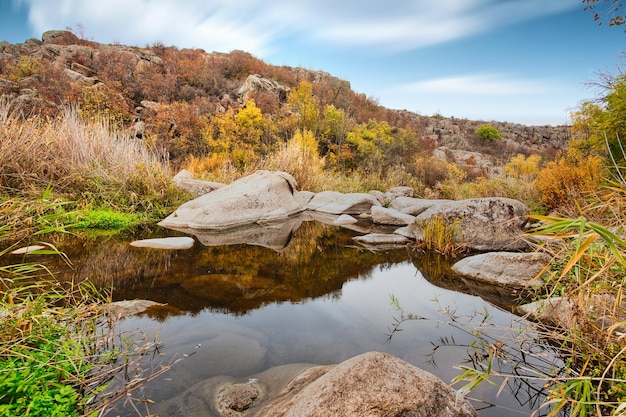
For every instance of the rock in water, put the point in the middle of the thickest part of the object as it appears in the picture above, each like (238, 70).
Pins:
(504, 268)
(373, 384)
(483, 224)
(264, 196)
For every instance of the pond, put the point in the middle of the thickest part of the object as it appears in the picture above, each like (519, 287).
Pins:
(238, 310)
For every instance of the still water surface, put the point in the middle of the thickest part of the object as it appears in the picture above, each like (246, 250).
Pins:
(238, 310)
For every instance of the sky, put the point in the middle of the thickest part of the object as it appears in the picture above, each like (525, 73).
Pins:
(521, 61)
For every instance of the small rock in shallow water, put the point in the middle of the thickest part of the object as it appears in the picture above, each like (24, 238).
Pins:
(184, 242)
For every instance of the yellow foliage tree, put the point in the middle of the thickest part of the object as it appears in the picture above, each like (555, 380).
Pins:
(305, 105)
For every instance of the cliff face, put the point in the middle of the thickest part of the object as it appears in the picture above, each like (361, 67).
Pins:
(41, 76)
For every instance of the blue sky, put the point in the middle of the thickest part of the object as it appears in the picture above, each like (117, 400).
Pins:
(523, 61)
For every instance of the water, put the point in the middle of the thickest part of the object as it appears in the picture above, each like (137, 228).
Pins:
(238, 310)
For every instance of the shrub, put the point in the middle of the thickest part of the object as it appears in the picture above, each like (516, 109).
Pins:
(488, 132)
(565, 183)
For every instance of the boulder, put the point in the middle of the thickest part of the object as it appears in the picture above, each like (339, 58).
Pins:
(393, 193)
(185, 181)
(59, 37)
(511, 269)
(382, 215)
(333, 202)
(262, 197)
(413, 206)
(483, 224)
(382, 241)
(372, 384)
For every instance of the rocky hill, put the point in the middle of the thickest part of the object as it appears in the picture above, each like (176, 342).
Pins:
(127, 82)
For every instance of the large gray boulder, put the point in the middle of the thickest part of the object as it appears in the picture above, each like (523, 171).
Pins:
(262, 197)
(511, 269)
(373, 384)
(483, 224)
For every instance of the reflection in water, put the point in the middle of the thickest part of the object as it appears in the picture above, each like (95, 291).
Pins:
(243, 309)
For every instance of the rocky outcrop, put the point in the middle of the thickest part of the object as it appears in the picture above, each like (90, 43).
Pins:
(373, 384)
(474, 163)
(262, 197)
(258, 83)
(483, 224)
(510, 269)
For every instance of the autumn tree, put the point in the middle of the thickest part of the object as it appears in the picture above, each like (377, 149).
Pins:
(305, 106)
(602, 121)
(242, 135)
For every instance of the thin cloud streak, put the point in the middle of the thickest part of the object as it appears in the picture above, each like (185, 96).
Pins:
(480, 84)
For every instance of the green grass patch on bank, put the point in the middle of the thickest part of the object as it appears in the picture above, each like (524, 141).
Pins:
(104, 219)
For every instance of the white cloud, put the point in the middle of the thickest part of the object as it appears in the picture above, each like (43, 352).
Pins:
(479, 84)
(258, 26)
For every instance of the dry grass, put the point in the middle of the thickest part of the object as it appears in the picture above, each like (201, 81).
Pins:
(73, 156)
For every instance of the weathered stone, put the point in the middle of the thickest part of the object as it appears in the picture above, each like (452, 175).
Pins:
(557, 311)
(345, 219)
(261, 197)
(172, 243)
(125, 308)
(382, 241)
(256, 82)
(483, 224)
(233, 399)
(382, 215)
(334, 202)
(413, 206)
(504, 268)
(185, 181)
(603, 310)
(372, 384)
(60, 37)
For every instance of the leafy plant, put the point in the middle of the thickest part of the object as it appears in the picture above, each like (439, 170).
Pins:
(488, 132)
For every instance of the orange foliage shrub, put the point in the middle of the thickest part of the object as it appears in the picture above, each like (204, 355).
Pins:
(566, 182)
